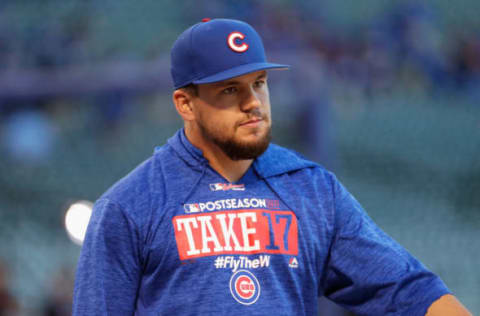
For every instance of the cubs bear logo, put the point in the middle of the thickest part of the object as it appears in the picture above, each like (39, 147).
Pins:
(244, 287)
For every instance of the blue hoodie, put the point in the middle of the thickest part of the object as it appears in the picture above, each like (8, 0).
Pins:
(176, 238)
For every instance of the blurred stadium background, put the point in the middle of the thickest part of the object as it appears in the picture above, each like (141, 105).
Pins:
(384, 93)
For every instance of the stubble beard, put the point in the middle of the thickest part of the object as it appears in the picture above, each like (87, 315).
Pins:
(234, 149)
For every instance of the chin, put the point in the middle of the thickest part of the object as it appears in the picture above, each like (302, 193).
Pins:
(256, 133)
(253, 138)
(247, 147)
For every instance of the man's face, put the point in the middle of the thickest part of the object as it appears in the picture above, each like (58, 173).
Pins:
(234, 115)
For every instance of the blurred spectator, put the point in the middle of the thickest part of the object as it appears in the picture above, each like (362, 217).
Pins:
(416, 41)
(8, 304)
(28, 134)
(114, 107)
(59, 302)
(466, 64)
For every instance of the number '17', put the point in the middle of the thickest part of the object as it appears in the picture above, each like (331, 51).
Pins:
(278, 217)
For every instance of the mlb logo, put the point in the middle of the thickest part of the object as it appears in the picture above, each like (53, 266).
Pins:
(216, 186)
(227, 187)
(192, 208)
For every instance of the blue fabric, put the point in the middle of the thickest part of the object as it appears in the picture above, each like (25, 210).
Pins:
(155, 244)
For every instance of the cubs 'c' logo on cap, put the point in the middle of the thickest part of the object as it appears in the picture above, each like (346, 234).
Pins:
(244, 287)
(234, 39)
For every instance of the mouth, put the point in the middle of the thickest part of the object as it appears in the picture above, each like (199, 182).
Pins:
(254, 122)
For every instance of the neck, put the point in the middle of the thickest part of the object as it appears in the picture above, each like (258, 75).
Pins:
(232, 170)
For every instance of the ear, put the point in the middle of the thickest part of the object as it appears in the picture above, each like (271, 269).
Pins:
(183, 104)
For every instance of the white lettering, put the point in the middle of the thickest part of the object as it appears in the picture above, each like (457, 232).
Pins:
(243, 262)
(228, 233)
(226, 204)
(188, 230)
(240, 204)
(210, 206)
(236, 265)
(223, 204)
(264, 261)
(262, 203)
(229, 261)
(248, 231)
(205, 224)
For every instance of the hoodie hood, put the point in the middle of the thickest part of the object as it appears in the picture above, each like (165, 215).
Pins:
(277, 160)
(190, 154)
(271, 166)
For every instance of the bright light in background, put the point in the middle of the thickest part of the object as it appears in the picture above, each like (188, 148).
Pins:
(76, 220)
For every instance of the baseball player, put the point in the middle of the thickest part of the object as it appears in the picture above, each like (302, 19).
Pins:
(219, 221)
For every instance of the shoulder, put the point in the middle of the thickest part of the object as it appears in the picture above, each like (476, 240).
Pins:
(135, 193)
(147, 177)
(147, 187)
(134, 184)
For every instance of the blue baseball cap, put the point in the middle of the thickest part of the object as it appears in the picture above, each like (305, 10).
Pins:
(216, 50)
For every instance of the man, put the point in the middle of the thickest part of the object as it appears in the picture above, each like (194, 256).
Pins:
(221, 222)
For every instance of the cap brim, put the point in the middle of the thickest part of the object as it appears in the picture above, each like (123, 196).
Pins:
(239, 71)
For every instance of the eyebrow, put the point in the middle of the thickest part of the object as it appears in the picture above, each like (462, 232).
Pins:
(234, 82)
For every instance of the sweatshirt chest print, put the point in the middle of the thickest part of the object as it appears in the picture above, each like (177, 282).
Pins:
(226, 187)
(241, 234)
(236, 232)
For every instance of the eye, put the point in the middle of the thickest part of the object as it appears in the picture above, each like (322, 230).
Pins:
(229, 90)
(259, 83)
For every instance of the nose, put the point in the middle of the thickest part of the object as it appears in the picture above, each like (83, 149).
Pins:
(251, 100)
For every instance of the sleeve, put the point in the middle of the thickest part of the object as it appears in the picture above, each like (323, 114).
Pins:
(109, 267)
(371, 274)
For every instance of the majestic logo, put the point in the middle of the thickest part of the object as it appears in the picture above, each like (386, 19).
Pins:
(293, 263)
(226, 187)
(244, 287)
(234, 41)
